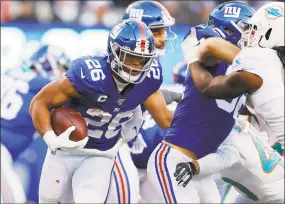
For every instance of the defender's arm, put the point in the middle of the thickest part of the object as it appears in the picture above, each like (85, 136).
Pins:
(227, 86)
(156, 106)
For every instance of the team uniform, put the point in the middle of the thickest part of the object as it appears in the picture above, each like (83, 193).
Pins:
(259, 177)
(265, 63)
(17, 130)
(196, 130)
(105, 110)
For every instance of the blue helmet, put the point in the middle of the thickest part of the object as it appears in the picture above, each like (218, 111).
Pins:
(179, 72)
(228, 17)
(131, 39)
(48, 61)
(155, 16)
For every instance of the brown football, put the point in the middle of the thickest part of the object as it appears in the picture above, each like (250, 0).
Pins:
(63, 118)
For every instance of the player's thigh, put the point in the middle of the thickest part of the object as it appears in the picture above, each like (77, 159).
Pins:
(125, 179)
(12, 190)
(207, 189)
(147, 191)
(274, 192)
(55, 182)
(91, 180)
(161, 167)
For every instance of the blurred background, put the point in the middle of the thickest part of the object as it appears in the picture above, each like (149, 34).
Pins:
(81, 28)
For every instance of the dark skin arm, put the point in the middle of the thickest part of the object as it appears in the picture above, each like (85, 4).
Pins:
(156, 106)
(227, 86)
(52, 95)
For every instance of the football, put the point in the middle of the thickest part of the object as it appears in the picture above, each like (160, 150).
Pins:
(63, 118)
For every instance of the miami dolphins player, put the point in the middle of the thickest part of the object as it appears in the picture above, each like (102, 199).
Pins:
(19, 86)
(199, 124)
(107, 91)
(262, 175)
(158, 19)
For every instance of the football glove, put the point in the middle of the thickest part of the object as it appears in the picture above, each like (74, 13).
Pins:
(62, 141)
(184, 173)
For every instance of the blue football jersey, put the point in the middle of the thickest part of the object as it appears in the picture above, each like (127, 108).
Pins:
(104, 108)
(201, 124)
(17, 90)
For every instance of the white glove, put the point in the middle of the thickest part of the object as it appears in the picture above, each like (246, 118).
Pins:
(190, 47)
(138, 145)
(131, 128)
(62, 141)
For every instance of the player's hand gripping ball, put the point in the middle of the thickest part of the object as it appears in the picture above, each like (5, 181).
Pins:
(63, 118)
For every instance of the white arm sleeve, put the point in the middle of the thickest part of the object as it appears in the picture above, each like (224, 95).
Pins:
(190, 47)
(223, 158)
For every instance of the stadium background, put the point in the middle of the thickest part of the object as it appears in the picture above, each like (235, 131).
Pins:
(81, 28)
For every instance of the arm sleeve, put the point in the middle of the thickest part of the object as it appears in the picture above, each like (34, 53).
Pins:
(223, 158)
(80, 77)
(171, 96)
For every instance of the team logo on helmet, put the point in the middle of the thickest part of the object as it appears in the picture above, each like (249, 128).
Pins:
(274, 12)
(136, 13)
(232, 11)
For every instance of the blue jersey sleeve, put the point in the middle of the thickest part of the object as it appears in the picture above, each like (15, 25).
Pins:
(203, 31)
(80, 77)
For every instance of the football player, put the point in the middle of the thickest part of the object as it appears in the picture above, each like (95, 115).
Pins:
(107, 91)
(19, 86)
(158, 19)
(257, 71)
(199, 124)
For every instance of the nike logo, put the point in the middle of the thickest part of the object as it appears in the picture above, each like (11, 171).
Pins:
(82, 75)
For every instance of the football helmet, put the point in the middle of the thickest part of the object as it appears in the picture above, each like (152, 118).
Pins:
(156, 17)
(228, 17)
(131, 50)
(49, 61)
(266, 27)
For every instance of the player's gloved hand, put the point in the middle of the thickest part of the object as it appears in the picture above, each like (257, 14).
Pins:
(138, 145)
(131, 128)
(184, 173)
(62, 141)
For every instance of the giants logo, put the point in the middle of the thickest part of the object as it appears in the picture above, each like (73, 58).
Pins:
(136, 13)
(142, 46)
(232, 12)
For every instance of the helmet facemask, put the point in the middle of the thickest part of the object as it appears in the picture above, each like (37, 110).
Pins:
(123, 57)
(250, 35)
(164, 36)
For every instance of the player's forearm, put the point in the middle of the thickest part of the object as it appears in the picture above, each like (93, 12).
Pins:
(41, 116)
(215, 162)
(218, 48)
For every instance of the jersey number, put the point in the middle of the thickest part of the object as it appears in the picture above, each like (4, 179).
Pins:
(95, 69)
(154, 70)
(234, 105)
(112, 130)
(11, 100)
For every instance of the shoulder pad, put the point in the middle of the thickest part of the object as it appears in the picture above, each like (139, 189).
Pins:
(202, 31)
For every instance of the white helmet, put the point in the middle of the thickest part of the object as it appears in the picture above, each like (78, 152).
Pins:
(265, 27)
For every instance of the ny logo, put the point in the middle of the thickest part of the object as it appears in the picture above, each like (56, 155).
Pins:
(233, 12)
(136, 13)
